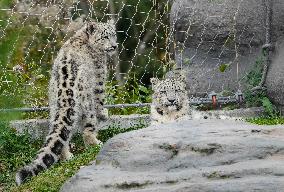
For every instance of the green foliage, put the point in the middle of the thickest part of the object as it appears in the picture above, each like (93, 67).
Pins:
(9, 116)
(15, 151)
(223, 67)
(104, 135)
(3, 16)
(130, 92)
(260, 98)
(266, 120)
(269, 108)
(31, 83)
(52, 179)
(254, 100)
(18, 150)
(145, 52)
(77, 144)
(271, 116)
(11, 54)
(253, 78)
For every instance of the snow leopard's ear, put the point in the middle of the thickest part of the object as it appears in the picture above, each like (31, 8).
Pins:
(180, 77)
(154, 81)
(91, 27)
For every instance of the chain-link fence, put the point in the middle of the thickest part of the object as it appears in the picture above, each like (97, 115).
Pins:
(226, 46)
(33, 31)
(211, 40)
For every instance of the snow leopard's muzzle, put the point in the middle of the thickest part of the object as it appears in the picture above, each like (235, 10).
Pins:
(111, 50)
(170, 104)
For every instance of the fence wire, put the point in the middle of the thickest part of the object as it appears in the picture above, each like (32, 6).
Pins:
(32, 32)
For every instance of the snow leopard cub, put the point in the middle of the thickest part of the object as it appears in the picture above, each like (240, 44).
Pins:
(170, 100)
(76, 94)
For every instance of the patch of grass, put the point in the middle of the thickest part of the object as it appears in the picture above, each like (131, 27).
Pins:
(104, 135)
(52, 179)
(18, 150)
(9, 116)
(15, 151)
(266, 120)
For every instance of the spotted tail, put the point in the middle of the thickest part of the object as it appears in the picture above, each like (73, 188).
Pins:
(46, 157)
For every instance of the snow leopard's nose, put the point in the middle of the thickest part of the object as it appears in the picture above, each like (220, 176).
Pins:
(171, 100)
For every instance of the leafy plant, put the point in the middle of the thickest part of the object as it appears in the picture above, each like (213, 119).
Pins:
(223, 67)
(130, 92)
(269, 108)
(259, 98)
(266, 120)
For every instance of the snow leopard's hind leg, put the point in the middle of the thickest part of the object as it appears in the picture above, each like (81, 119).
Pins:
(66, 153)
(89, 118)
(90, 132)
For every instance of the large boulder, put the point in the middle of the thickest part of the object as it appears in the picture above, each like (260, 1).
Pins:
(275, 79)
(218, 42)
(193, 155)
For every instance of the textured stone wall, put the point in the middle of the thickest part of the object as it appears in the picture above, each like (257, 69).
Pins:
(38, 128)
(210, 34)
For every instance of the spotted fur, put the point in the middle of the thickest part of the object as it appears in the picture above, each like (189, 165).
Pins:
(169, 101)
(76, 94)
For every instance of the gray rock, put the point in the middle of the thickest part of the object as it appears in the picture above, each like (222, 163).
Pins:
(210, 34)
(39, 128)
(275, 79)
(235, 114)
(192, 155)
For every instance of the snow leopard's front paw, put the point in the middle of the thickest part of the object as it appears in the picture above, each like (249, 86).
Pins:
(90, 138)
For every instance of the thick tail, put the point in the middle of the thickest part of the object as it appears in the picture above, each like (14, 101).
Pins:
(46, 157)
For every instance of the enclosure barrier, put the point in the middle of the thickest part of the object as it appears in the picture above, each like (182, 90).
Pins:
(211, 99)
(35, 31)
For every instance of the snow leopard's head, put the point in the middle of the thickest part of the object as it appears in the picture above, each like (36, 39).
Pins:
(169, 94)
(102, 36)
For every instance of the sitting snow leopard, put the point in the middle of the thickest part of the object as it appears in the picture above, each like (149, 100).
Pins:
(76, 94)
(169, 100)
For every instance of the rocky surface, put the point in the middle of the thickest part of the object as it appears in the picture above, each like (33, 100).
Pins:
(275, 79)
(39, 128)
(220, 41)
(192, 155)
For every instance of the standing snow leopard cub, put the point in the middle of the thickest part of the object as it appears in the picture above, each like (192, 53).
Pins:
(76, 94)
(170, 100)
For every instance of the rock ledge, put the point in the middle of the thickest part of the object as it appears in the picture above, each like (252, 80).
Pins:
(192, 155)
